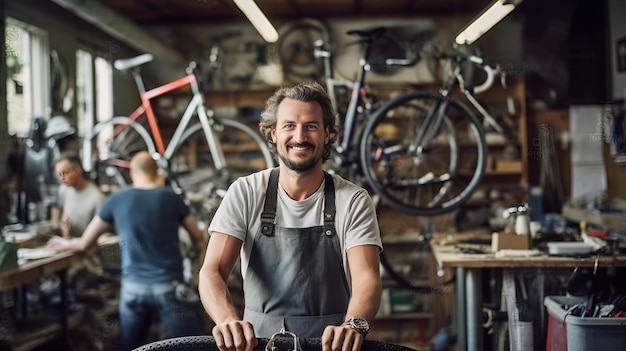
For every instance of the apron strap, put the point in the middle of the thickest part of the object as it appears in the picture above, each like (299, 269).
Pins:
(268, 216)
(329, 205)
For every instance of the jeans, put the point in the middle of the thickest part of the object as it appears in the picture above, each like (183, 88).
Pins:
(139, 303)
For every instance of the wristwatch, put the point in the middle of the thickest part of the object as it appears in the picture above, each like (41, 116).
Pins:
(358, 324)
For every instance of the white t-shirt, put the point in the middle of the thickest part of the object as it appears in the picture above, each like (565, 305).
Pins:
(80, 206)
(239, 214)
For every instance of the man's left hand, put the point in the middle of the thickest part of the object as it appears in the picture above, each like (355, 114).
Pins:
(341, 338)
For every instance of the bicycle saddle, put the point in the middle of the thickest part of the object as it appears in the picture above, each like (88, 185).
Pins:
(370, 34)
(124, 64)
(281, 343)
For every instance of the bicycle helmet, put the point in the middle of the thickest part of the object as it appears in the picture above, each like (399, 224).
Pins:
(59, 127)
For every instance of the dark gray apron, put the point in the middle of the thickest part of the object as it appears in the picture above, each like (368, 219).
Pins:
(295, 279)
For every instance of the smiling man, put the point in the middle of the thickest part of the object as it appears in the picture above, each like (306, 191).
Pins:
(309, 241)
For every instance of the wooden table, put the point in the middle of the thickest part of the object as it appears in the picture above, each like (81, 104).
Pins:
(30, 272)
(469, 268)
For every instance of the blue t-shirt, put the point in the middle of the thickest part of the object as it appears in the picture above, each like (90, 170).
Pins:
(147, 222)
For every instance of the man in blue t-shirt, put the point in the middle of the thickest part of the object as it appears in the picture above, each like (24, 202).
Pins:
(147, 217)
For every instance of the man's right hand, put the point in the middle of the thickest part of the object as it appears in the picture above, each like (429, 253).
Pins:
(66, 228)
(59, 244)
(235, 336)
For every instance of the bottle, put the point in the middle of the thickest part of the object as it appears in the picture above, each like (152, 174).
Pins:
(522, 222)
(32, 212)
(536, 203)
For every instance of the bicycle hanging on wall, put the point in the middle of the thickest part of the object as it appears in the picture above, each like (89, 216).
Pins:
(423, 152)
(202, 156)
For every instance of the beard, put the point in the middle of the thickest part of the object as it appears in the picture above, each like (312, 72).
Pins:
(303, 166)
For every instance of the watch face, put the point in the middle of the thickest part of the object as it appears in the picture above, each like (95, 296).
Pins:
(360, 323)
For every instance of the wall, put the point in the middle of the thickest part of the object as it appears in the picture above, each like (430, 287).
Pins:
(67, 33)
(617, 9)
(616, 174)
(241, 60)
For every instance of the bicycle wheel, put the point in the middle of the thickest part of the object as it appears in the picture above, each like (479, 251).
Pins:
(192, 169)
(295, 49)
(108, 148)
(437, 176)
(405, 261)
(206, 342)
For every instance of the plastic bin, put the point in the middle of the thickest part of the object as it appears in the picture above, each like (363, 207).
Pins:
(567, 332)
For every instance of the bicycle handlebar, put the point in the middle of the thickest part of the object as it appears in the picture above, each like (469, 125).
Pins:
(490, 69)
(488, 81)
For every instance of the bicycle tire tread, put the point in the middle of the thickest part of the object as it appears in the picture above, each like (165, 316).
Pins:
(206, 342)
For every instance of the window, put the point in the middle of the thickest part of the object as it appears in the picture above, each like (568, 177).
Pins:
(84, 92)
(104, 89)
(94, 95)
(94, 90)
(28, 83)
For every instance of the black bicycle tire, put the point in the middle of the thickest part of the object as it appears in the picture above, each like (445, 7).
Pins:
(206, 342)
(459, 198)
(91, 166)
(405, 283)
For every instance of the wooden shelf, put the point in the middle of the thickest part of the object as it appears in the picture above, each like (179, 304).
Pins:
(609, 221)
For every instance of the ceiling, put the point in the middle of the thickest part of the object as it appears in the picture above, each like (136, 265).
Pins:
(158, 26)
(170, 13)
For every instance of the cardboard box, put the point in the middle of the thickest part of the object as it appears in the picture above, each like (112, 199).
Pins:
(508, 166)
(500, 241)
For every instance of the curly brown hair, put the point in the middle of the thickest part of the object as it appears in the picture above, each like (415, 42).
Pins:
(305, 91)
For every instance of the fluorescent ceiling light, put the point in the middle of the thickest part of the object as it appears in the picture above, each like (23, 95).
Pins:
(487, 19)
(258, 20)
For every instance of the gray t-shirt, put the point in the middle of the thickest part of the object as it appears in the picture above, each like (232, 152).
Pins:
(239, 214)
(80, 206)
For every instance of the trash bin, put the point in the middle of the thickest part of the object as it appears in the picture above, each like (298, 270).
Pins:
(567, 332)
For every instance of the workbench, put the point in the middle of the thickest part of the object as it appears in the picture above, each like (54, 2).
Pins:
(30, 272)
(469, 268)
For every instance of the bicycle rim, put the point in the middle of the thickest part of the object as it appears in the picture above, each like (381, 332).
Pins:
(435, 178)
(295, 49)
(111, 145)
(192, 168)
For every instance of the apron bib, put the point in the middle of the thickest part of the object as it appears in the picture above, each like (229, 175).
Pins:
(295, 279)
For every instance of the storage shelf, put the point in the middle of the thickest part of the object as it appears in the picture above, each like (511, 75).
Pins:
(614, 221)
(402, 316)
